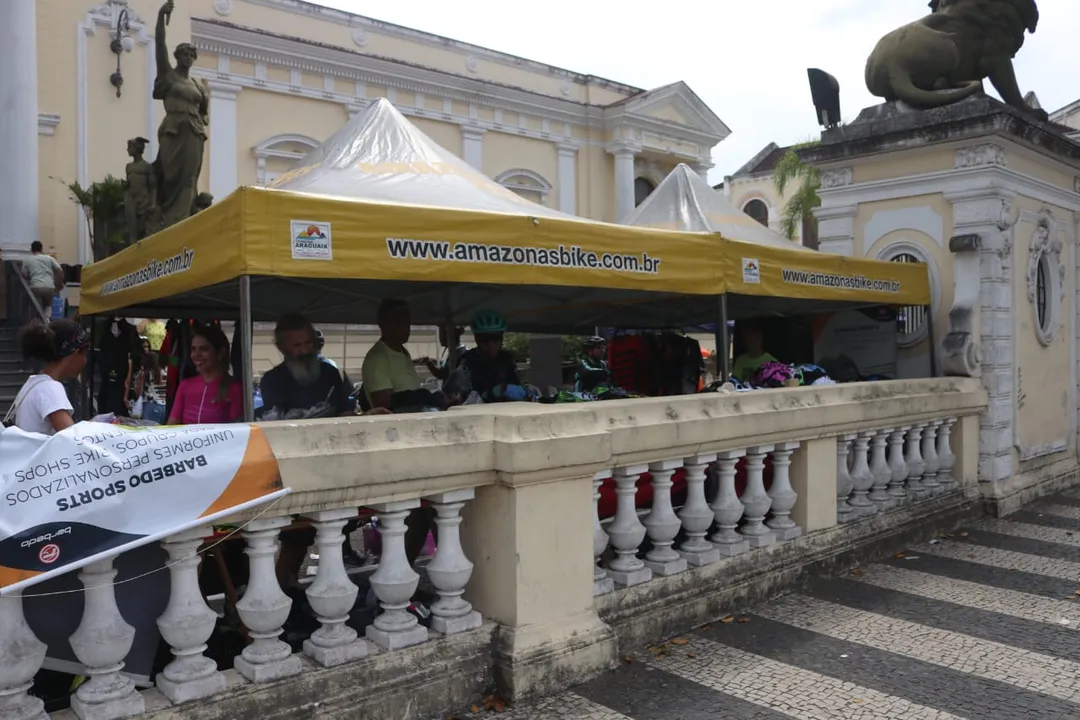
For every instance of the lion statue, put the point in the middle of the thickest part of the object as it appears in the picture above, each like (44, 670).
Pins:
(944, 57)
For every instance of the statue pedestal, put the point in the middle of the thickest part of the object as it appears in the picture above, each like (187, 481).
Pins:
(989, 199)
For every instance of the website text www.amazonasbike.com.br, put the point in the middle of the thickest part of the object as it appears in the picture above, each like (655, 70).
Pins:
(560, 257)
(846, 282)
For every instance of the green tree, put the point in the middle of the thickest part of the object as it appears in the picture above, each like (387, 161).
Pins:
(102, 205)
(799, 209)
(518, 345)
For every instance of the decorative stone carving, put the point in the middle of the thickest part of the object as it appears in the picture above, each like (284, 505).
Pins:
(898, 470)
(450, 570)
(472, 63)
(880, 470)
(626, 531)
(727, 508)
(1076, 184)
(223, 7)
(332, 595)
(22, 655)
(946, 458)
(696, 516)
(782, 494)
(980, 156)
(395, 582)
(566, 88)
(861, 478)
(141, 212)
(915, 463)
(961, 355)
(1045, 249)
(844, 484)
(836, 177)
(756, 502)
(930, 484)
(359, 37)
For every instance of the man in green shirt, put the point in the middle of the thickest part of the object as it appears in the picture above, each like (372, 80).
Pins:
(754, 355)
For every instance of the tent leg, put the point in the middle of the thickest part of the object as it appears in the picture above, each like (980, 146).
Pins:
(91, 369)
(723, 342)
(931, 340)
(246, 343)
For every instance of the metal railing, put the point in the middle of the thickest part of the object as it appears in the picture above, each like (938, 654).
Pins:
(22, 304)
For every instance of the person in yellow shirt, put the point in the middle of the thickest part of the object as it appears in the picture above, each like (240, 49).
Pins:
(388, 368)
(753, 356)
(153, 330)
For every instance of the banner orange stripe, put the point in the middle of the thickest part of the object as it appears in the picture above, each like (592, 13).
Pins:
(257, 476)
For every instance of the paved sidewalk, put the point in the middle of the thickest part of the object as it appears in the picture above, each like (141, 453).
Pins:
(983, 624)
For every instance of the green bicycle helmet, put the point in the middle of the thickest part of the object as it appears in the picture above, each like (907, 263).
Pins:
(488, 321)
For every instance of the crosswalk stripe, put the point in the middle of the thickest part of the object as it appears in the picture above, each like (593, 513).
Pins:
(994, 661)
(972, 595)
(1003, 559)
(795, 692)
(1050, 508)
(1029, 531)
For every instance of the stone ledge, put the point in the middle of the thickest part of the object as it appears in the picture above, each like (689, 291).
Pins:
(665, 607)
(417, 683)
(1002, 499)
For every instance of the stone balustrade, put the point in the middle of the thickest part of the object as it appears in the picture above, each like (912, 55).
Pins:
(771, 478)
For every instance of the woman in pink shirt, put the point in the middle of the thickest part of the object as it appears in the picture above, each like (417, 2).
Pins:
(214, 396)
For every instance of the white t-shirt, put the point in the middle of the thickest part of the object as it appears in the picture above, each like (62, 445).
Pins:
(41, 268)
(39, 398)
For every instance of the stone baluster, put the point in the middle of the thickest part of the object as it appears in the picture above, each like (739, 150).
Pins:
(626, 531)
(21, 655)
(726, 507)
(930, 483)
(662, 524)
(332, 594)
(756, 502)
(880, 471)
(264, 608)
(782, 495)
(915, 463)
(861, 478)
(187, 624)
(602, 584)
(946, 458)
(450, 569)
(844, 483)
(395, 582)
(897, 467)
(101, 642)
(696, 516)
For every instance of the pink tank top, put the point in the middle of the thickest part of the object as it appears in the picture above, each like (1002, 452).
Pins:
(199, 403)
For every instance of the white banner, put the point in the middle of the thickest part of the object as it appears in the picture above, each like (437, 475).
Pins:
(97, 490)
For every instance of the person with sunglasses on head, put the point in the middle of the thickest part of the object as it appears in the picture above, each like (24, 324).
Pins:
(491, 370)
(42, 405)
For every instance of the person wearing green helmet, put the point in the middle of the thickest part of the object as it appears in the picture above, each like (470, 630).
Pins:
(491, 371)
(592, 371)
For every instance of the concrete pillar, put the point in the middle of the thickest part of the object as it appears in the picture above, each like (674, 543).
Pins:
(472, 146)
(624, 180)
(223, 152)
(18, 127)
(567, 178)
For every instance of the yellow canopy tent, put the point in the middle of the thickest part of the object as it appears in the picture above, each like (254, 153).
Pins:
(380, 210)
(764, 272)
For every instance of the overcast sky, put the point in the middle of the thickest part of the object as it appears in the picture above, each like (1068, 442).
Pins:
(747, 60)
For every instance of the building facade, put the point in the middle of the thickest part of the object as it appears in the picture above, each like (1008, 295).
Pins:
(283, 75)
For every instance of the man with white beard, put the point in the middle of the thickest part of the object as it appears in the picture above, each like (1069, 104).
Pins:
(302, 380)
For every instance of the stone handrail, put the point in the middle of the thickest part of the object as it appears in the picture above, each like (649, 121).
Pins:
(532, 583)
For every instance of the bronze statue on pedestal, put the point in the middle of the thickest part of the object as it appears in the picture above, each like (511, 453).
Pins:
(182, 134)
(140, 194)
(944, 57)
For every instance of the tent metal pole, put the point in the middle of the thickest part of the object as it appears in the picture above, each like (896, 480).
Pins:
(246, 345)
(723, 341)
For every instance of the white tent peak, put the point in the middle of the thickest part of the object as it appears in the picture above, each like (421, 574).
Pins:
(685, 201)
(379, 156)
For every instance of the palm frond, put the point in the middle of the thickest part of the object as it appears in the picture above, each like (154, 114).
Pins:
(798, 207)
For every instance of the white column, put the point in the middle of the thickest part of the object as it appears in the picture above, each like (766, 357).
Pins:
(782, 495)
(626, 531)
(727, 509)
(472, 146)
(946, 458)
(21, 655)
(394, 582)
(915, 463)
(19, 126)
(755, 501)
(897, 466)
(332, 595)
(624, 179)
(844, 484)
(264, 608)
(662, 523)
(187, 624)
(880, 470)
(223, 151)
(567, 178)
(450, 570)
(929, 452)
(696, 515)
(702, 169)
(101, 642)
(861, 477)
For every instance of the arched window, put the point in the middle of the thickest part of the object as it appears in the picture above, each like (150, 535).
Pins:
(757, 210)
(526, 183)
(643, 188)
(911, 320)
(278, 153)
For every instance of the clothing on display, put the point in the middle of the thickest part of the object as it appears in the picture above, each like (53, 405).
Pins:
(656, 364)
